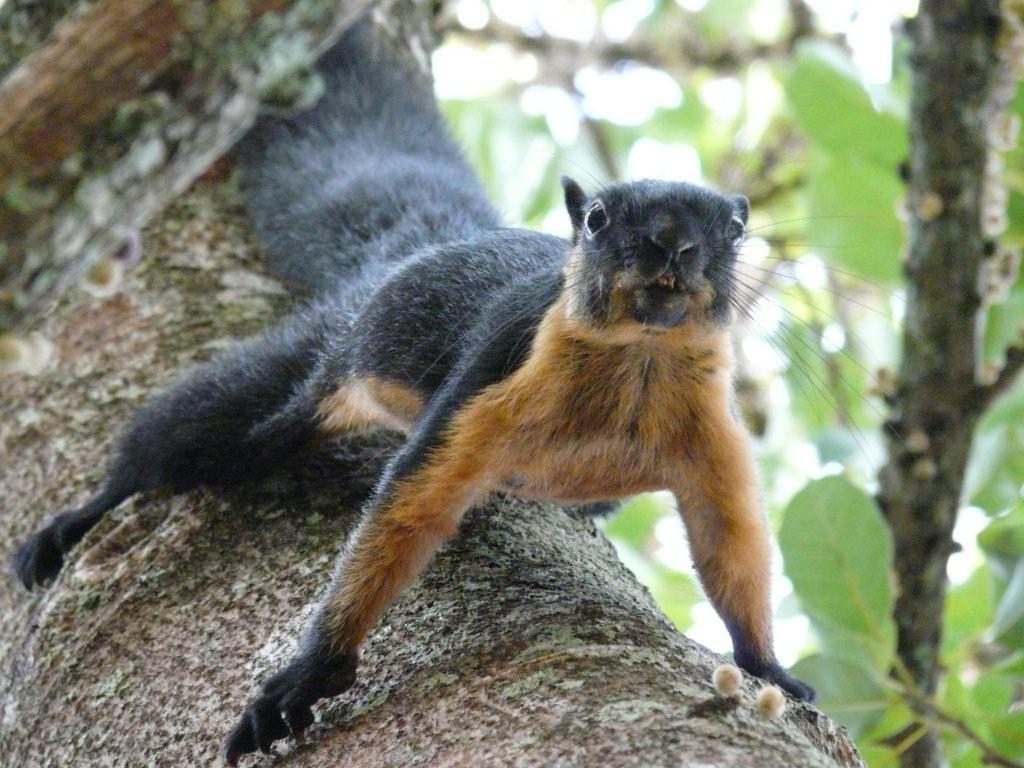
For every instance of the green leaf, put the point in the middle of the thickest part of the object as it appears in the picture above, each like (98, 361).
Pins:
(1013, 665)
(961, 753)
(877, 743)
(996, 466)
(993, 693)
(723, 19)
(546, 194)
(632, 532)
(850, 694)
(838, 554)
(1014, 234)
(1008, 733)
(634, 523)
(852, 220)
(969, 610)
(985, 706)
(857, 648)
(1010, 612)
(675, 593)
(676, 123)
(1004, 322)
(836, 112)
(1005, 535)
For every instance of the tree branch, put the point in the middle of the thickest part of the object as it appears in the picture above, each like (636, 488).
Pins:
(121, 109)
(682, 52)
(929, 713)
(1007, 377)
(953, 60)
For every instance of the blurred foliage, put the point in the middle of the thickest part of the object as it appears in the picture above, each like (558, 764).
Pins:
(778, 110)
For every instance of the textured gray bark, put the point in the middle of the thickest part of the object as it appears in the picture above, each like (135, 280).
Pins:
(953, 57)
(526, 643)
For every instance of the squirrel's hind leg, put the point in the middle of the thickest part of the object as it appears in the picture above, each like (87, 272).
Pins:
(230, 421)
(41, 556)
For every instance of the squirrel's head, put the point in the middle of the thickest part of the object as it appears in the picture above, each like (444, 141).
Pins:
(653, 252)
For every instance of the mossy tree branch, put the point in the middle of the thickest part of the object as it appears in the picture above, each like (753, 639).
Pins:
(120, 107)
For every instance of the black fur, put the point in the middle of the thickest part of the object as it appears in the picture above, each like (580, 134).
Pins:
(648, 229)
(366, 202)
(766, 669)
(362, 180)
(284, 706)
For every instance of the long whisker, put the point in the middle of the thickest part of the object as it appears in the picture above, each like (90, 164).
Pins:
(817, 353)
(830, 268)
(799, 319)
(799, 219)
(783, 358)
(833, 291)
(842, 351)
(806, 369)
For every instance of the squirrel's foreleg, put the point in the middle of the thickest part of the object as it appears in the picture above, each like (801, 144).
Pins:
(423, 496)
(719, 501)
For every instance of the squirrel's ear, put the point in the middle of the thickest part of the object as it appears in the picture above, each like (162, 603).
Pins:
(575, 198)
(741, 206)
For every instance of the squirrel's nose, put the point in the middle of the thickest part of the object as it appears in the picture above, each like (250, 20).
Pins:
(678, 248)
(666, 251)
(684, 251)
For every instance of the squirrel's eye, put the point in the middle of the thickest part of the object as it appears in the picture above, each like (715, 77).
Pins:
(736, 231)
(596, 218)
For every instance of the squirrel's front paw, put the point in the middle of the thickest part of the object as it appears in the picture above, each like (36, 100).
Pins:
(39, 558)
(796, 688)
(772, 672)
(284, 705)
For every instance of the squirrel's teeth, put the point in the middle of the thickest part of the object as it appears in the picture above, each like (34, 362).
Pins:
(666, 281)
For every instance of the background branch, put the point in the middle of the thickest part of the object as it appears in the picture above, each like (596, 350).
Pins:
(953, 57)
(680, 51)
(1007, 377)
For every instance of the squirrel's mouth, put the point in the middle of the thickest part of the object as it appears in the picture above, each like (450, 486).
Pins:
(665, 287)
(669, 299)
(660, 301)
(666, 299)
(666, 281)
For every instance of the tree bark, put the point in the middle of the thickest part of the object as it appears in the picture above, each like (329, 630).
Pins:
(525, 643)
(938, 399)
(116, 109)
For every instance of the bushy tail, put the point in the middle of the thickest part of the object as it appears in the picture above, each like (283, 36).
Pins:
(368, 174)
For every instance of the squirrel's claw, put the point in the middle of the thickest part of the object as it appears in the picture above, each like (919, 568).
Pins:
(773, 672)
(285, 704)
(39, 558)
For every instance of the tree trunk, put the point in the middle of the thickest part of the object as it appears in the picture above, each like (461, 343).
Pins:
(939, 397)
(525, 643)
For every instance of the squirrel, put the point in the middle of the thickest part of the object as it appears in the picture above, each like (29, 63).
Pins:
(581, 370)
